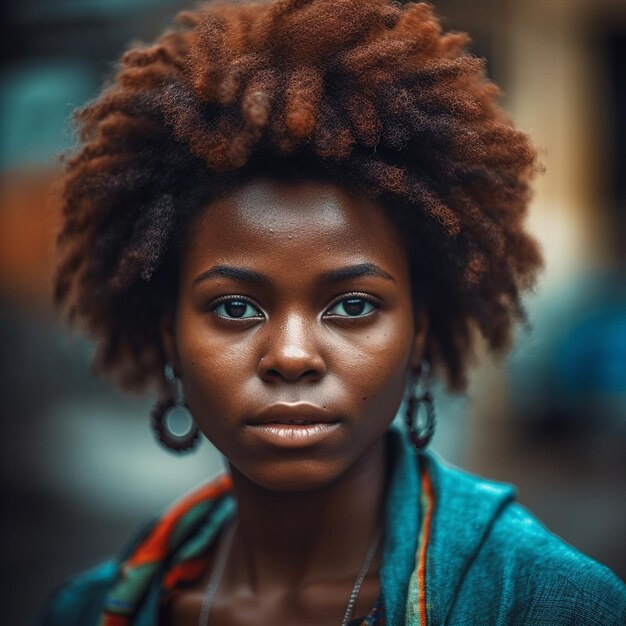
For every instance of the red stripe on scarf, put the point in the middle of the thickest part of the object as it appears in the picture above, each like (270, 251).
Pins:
(108, 619)
(155, 546)
(185, 572)
(427, 490)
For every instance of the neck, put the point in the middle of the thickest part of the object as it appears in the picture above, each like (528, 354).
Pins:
(294, 539)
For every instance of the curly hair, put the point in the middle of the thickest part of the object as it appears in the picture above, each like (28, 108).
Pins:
(368, 94)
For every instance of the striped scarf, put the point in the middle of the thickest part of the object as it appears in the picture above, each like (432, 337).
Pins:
(180, 541)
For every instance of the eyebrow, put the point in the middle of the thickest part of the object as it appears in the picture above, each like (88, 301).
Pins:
(353, 271)
(237, 273)
(330, 277)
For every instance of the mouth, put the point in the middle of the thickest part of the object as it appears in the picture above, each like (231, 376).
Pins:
(289, 434)
(294, 422)
(293, 425)
(295, 414)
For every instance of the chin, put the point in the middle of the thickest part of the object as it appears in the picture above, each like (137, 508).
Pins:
(293, 475)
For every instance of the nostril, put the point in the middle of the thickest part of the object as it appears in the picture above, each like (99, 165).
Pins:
(291, 375)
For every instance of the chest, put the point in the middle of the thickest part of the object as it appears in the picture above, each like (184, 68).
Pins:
(317, 605)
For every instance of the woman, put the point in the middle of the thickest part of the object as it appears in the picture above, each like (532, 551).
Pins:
(286, 216)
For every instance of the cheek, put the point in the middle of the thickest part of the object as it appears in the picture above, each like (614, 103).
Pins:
(382, 388)
(377, 371)
(212, 370)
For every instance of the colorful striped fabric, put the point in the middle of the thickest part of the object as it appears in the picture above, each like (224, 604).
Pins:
(416, 607)
(184, 534)
(180, 537)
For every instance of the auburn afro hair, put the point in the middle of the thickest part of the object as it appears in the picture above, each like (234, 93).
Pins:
(368, 94)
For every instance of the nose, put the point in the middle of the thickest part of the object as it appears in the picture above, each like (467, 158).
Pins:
(291, 352)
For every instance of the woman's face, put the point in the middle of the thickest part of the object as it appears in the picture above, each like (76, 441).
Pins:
(294, 331)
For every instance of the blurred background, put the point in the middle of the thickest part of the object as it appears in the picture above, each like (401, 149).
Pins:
(80, 470)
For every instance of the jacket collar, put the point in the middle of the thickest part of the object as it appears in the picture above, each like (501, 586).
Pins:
(466, 508)
(445, 524)
(402, 521)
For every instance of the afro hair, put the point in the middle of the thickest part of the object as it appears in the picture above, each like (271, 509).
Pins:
(368, 94)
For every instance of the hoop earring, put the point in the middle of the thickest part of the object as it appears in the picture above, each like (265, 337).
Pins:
(172, 421)
(420, 411)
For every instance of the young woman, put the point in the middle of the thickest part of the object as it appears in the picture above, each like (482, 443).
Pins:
(286, 216)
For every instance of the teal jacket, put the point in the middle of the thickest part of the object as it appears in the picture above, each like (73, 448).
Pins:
(458, 551)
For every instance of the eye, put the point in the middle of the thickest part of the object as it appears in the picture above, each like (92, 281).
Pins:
(352, 307)
(236, 308)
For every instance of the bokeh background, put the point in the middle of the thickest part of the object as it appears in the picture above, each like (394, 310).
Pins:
(80, 470)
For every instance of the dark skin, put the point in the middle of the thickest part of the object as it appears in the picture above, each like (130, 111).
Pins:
(263, 318)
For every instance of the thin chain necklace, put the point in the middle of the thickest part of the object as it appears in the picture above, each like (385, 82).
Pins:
(222, 557)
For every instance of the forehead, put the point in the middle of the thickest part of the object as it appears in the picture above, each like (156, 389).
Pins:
(299, 222)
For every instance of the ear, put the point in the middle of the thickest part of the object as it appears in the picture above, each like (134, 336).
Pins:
(419, 339)
(168, 341)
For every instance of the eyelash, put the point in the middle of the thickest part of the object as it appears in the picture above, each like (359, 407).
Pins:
(375, 302)
(216, 303)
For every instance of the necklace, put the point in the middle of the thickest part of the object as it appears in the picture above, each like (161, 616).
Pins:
(220, 564)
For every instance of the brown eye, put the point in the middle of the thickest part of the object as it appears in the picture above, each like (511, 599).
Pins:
(352, 307)
(236, 309)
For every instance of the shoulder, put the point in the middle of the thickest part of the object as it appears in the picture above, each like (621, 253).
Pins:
(81, 600)
(550, 581)
(492, 561)
(78, 602)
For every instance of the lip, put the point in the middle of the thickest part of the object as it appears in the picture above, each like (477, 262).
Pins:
(281, 435)
(296, 425)
(295, 412)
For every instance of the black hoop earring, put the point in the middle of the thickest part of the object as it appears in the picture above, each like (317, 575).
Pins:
(172, 421)
(420, 411)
